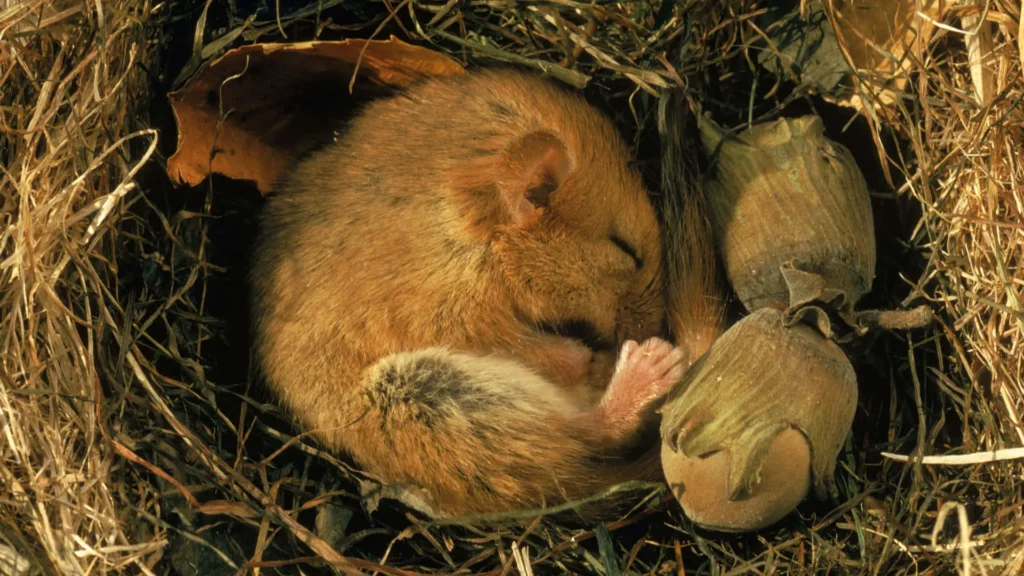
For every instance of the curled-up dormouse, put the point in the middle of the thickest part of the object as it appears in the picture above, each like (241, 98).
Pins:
(465, 292)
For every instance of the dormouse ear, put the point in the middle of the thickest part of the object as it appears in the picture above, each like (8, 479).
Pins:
(534, 167)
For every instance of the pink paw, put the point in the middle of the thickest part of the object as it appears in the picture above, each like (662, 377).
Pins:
(650, 369)
(643, 373)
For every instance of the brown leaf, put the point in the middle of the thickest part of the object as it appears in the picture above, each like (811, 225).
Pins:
(252, 112)
(879, 35)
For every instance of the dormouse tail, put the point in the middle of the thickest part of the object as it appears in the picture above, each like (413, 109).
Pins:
(696, 301)
(480, 435)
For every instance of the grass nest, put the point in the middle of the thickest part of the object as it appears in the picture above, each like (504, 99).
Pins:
(133, 438)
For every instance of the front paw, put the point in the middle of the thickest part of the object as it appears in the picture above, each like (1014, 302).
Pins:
(760, 418)
(643, 373)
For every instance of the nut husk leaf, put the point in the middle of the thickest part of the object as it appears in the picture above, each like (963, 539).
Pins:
(759, 379)
(791, 215)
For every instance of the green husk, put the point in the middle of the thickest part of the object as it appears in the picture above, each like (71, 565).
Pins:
(791, 215)
(757, 380)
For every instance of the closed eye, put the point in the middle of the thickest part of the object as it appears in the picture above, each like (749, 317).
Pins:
(629, 250)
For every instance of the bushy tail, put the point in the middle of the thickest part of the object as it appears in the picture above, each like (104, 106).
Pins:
(479, 434)
(696, 299)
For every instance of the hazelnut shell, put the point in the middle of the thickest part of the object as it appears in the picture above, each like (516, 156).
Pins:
(791, 214)
(728, 415)
(700, 485)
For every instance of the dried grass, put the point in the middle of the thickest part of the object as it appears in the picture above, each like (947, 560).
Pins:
(129, 444)
(71, 147)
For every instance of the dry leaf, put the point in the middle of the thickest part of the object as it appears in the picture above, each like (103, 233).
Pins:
(332, 522)
(880, 36)
(252, 112)
(880, 40)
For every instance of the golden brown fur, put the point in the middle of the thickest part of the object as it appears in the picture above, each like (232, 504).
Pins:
(696, 303)
(412, 279)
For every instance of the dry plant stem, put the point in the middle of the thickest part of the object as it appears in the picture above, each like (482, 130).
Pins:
(546, 511)
(961, 459)
(355, 71)
(968, 188)
(644, 79)
(68, 117)
(187, 535)
(896, 319)
(12, 563)
(921, 424)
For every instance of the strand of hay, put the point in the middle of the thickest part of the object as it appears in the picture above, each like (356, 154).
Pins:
(71, 82)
